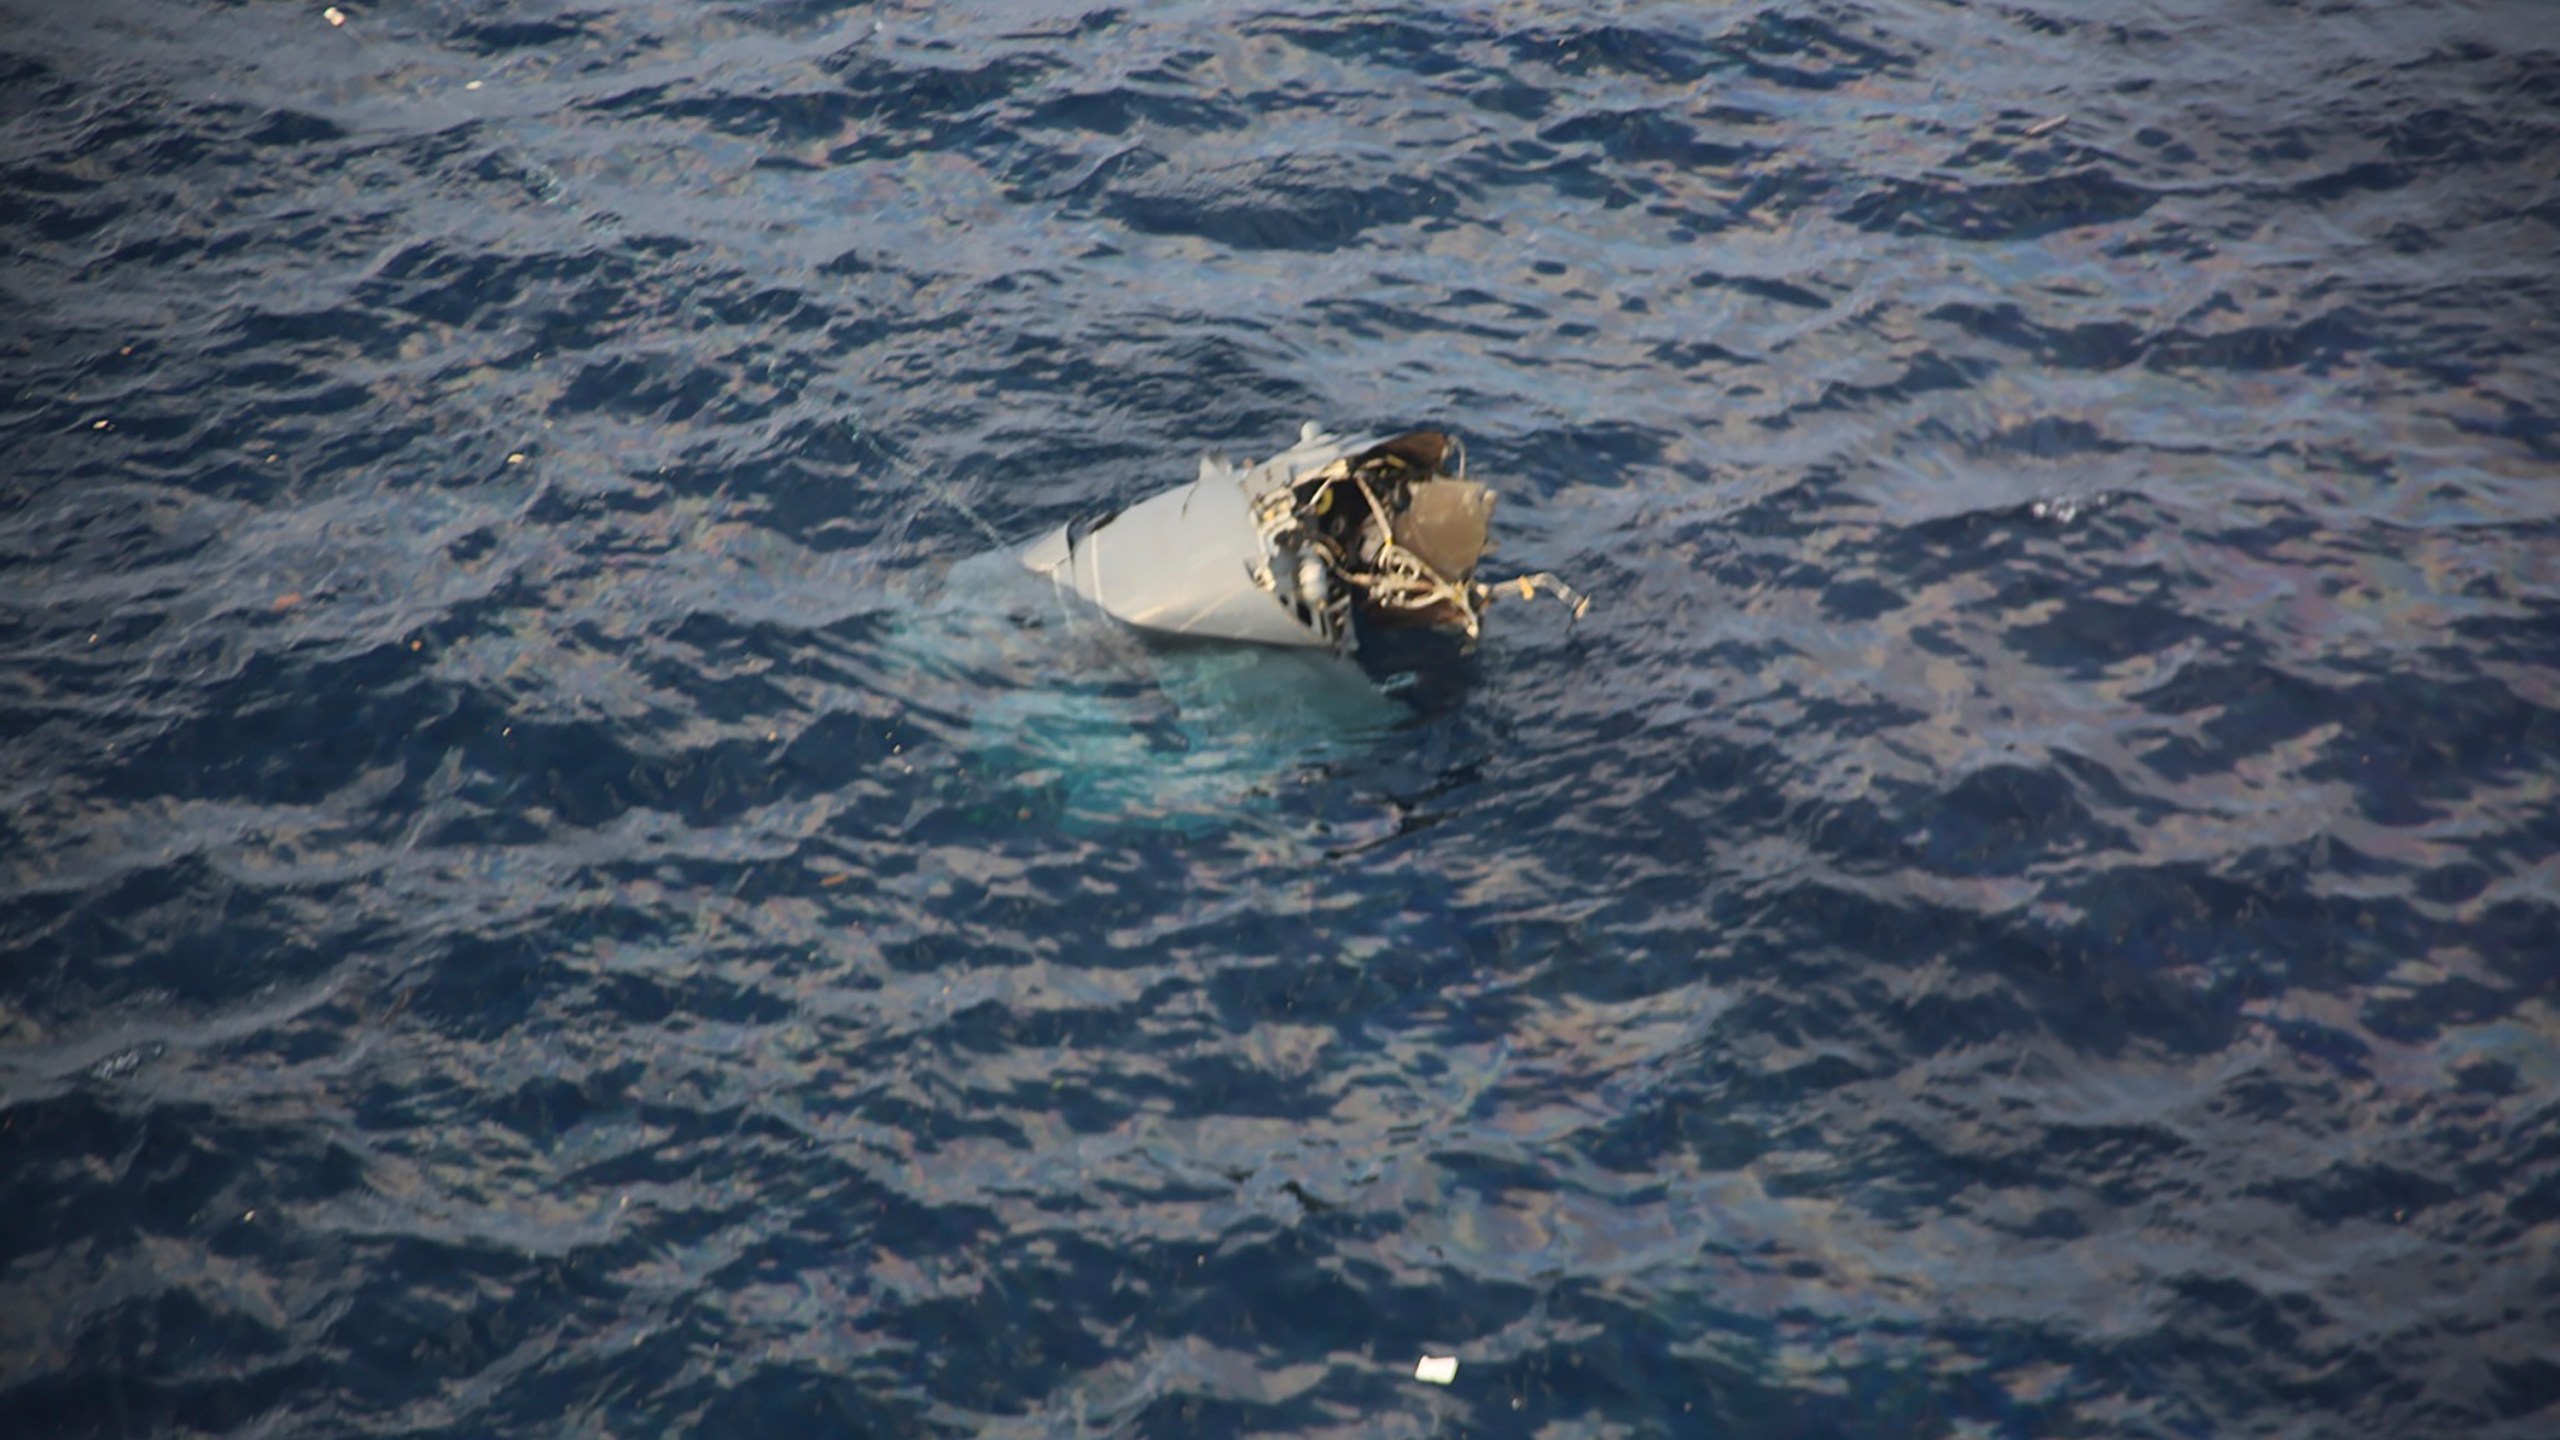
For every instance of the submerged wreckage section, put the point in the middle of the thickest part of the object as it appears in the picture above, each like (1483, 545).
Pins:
(1305, 548)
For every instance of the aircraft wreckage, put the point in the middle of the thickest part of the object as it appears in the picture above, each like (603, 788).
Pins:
(1309, 548)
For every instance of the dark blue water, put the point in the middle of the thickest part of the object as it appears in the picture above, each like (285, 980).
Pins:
(533, 900)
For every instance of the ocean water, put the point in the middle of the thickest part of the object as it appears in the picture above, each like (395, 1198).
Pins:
(541, 895)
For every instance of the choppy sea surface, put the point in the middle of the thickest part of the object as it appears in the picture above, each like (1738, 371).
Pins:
(539, 896)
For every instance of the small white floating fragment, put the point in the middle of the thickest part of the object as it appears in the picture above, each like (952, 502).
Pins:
(1436, 1369)
(334, 15)
(2047, 126)
(470, 84)
(516, 459)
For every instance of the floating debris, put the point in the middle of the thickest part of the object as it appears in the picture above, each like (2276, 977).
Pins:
(1302, 549)
(1436, 1369)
